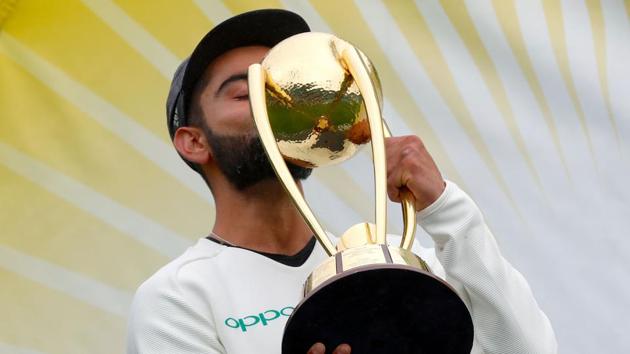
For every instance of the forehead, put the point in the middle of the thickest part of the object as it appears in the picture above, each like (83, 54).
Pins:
(235, 61)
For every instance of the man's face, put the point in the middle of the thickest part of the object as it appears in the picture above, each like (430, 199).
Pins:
(229, 128)
(223, 96)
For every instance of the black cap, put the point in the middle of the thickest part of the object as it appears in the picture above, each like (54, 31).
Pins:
(261, 27)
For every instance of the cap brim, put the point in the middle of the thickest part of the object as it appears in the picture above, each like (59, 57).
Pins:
(261, 27)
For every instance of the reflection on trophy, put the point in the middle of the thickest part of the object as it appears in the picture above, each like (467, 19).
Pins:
(316, 100)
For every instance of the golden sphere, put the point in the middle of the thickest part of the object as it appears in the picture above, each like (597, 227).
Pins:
(315, 108)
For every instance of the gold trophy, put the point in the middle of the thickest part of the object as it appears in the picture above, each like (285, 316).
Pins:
(316, 100)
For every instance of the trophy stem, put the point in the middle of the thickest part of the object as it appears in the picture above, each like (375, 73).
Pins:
(357, 68)
(256, 83)
(378, 131)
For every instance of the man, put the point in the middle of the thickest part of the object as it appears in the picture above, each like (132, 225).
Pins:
(233, 291)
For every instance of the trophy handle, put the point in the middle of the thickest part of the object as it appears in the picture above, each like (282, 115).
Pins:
(379, 130)
(354, 63)
(408, 203)
(256, 81)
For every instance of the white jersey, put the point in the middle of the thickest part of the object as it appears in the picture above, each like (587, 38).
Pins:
(219, 299)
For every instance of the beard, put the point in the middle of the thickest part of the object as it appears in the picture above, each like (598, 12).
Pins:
(243, 160)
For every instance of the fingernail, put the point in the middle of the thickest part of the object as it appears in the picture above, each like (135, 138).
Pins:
(343, 349)
(317, 348)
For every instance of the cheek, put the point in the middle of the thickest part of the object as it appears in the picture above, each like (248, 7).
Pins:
(233, 117)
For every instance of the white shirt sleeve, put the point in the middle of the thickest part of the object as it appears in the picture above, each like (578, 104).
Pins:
(164, 320)
(505, 314)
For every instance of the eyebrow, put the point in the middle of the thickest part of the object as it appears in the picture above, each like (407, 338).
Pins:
(235, 77)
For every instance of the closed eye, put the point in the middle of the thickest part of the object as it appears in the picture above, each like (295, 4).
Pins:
(232, 85)
(237, 90)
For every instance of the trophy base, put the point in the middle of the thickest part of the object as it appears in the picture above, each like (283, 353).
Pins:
(381, 308)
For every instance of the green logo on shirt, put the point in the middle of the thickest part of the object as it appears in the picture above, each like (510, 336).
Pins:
(261, 318)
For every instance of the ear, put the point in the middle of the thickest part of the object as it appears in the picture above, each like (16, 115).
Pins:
(191, 143)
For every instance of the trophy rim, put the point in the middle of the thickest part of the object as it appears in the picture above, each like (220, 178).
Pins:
(374, 266)
(337, 264)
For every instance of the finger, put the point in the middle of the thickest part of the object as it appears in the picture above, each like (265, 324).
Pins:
(427, 191)
(397, 150)
(317, 348)
(391, 153)
(342, 349)
(393, 187)
(398, 182)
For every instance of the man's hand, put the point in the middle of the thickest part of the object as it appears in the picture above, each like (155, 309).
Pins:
(319, 348)
(409, 166)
